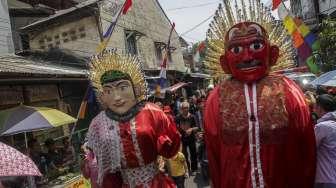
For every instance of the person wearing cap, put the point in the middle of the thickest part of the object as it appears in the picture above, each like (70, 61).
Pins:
(325, 133)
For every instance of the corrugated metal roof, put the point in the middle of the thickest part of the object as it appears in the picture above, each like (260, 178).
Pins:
(61, 13)
(13, 64)
(18, 4)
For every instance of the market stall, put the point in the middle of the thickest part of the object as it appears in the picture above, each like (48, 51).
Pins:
(69, 180)
(54, 164)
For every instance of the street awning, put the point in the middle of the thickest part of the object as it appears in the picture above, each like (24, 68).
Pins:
(176, 86)
(11, 64)
(326, 79)
(199, 75)
(172, 88)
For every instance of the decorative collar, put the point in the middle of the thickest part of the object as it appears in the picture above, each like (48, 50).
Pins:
(127, 115)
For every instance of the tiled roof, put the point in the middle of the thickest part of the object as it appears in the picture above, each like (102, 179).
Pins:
(13, 64)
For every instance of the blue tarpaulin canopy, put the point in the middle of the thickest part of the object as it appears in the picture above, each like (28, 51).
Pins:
(326, 79)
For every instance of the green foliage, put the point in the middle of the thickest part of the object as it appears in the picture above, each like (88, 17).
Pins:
(328, 44)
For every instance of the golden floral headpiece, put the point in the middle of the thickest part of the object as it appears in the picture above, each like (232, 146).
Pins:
(109, 66)
(228, 15)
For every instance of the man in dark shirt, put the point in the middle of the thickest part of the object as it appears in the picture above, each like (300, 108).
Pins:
(187, 126)
(54, 155)
(36, 154)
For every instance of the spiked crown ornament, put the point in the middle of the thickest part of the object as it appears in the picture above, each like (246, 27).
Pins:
(110, 66)
(227, 15)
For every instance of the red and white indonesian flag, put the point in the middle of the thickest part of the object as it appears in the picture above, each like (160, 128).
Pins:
(114, 8)
(200, 48)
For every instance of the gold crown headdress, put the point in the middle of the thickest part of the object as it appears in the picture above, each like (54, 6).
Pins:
(111, 61)
(247, 10)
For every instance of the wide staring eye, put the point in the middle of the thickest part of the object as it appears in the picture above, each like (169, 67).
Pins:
(256, 46)
(123, 87)
(236, 49)
(107, 91)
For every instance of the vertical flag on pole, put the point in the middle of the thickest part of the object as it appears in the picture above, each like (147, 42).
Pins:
(88, 98)
(163, 71)
(107, 35)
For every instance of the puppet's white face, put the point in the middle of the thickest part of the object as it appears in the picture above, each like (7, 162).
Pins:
(119, 96)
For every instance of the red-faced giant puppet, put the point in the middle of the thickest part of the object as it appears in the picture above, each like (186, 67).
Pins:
(257, 125)
(249, 55)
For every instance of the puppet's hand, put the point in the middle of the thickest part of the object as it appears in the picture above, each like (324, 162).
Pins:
(163, 143)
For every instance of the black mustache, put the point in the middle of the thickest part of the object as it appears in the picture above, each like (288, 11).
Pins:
(248, 64)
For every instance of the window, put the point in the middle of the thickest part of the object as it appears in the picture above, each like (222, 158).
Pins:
(82, 35)
(41, 41)
(131, 43)
(81, 29)
(169, 56)
(25, 42)
(158, 50)
(73, 37)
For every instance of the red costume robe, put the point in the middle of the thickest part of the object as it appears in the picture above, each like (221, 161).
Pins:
(259, 135)
(127, 152)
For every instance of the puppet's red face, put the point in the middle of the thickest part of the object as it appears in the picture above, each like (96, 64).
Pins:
(248, 55)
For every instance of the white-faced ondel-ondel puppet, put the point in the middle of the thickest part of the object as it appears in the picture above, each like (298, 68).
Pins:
(130, 134)
(257, 125)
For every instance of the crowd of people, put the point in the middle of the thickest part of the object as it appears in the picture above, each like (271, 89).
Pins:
(187, 113)
(258, 129)
(323, 112)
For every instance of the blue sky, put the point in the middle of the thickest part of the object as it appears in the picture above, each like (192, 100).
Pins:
(187, 18)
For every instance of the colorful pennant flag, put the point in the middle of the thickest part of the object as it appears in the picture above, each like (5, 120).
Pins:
(289, 24)
(107, 35)
(304, 40)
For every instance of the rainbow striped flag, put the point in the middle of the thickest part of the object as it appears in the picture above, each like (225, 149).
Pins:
(305, 41)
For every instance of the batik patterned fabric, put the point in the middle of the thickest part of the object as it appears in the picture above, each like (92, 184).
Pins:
(127, 151)
(271, 103)
(14, 163)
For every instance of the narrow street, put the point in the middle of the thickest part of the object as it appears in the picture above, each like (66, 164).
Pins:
(196, 181)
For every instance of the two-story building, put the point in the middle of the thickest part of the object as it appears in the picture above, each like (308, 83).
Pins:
(143, 31)
(59, 37)
(313, 11)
